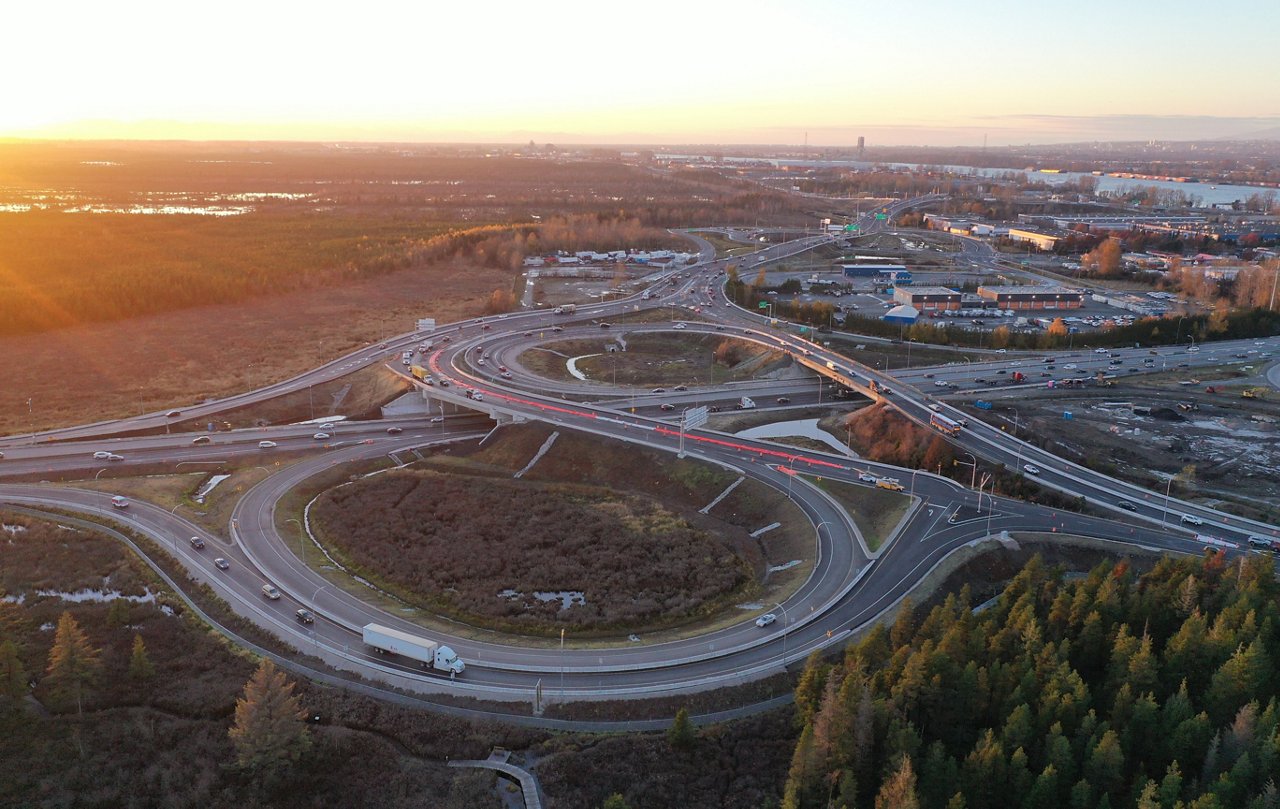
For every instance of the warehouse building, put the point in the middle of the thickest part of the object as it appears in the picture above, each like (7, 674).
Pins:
(1042, 241)
(869, 270)
(926, 299)
(1014, 297)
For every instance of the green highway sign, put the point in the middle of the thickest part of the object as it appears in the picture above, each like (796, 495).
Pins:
(850, 227)
(882, 216)
(763, 305)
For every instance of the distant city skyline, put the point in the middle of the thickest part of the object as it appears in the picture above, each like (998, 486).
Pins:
(670, 73)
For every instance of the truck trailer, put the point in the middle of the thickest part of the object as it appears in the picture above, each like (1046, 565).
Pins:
(565, 309)
(428, 652)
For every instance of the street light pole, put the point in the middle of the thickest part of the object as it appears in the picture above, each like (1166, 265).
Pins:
(785, 621)
(301, 546)
(1165, 514)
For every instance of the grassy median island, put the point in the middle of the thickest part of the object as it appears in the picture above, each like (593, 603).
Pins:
(530, 556)
(875, 511)
(618, 523)
(654, 358)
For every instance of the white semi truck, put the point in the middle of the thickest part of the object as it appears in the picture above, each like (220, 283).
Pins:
(565, 309)
(745, 403)
(428, 652)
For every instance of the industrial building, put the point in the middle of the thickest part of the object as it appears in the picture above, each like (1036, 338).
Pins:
(869, 270)
(1042, 241)
(925, 299)
(1015, 297)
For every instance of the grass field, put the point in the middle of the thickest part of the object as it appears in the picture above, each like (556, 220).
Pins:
(875, 511)
(726, 246)
(650, 359)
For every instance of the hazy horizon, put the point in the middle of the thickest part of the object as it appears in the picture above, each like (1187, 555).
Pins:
(820, 72)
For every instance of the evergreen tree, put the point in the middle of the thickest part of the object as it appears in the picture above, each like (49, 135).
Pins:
(269, 731)
(899, 791)
(140, 667)
(681, 735)
(118, 613)
(614, 801)
(73, 662)
(1170, 786)
(1044, 792)
(809, 689)
(903, 625)
(13, 676)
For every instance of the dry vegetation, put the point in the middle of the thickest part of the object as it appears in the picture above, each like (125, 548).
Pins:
(163, 741)
(105, 314)
(455, 543)
(654, 359)
(875, 511)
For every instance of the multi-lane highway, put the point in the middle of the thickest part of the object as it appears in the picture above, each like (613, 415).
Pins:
(848, 587)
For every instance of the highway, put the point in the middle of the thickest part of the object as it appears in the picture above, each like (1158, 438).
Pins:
(849, 585)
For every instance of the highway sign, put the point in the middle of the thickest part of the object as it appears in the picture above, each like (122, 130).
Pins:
(426, 324)
(763, 305)
(851, 228)
(880, 217)
(695, 418)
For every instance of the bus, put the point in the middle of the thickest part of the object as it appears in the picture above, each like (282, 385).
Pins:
(948, 426)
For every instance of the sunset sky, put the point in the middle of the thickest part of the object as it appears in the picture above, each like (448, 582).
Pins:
(922, 72)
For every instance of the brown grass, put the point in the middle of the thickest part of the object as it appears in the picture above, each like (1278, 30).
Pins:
(109, 370)
(875, 511)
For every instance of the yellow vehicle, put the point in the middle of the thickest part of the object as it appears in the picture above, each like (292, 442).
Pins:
(1254, 393)
(890, 484)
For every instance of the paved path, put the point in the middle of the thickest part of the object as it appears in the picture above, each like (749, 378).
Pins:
(498, 760)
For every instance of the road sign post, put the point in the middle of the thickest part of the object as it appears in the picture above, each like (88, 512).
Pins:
(689, 420)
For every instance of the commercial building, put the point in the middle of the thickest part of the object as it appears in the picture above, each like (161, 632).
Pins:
(1015, 297)
(1042, 241)
(925, 299)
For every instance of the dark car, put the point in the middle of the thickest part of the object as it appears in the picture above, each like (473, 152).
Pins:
(786, 400)
(305, 616)
(197, 543)
(604, 325)
(1127, 506)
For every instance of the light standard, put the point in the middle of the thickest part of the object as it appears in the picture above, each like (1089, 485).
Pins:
(1017, 440)
(973, 467)
(31, 418)
(778, 604)
(1178, 339)
(301, 546)
(1167, 487)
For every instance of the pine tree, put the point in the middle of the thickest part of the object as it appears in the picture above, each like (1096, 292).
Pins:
(903, 625)
(614, 801)
(899, 791)
(118, 613)
(13, 676)
(269, 730)
(1044, 792)
(1170, 786)
(809, 689)
(140, 667)
(73, 663)
(681, 734)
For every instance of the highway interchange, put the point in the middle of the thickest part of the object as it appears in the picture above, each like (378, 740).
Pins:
(849, 586)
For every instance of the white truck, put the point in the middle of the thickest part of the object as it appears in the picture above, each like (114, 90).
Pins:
(565, 309)
(746, 403)
(428, 652)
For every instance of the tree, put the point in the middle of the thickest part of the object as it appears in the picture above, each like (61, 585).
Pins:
(614, 801)
(899, 792)
(13, 676)
(73, 662)
(681, 734)
(140, 667)
(269, 730)
(1058, 328)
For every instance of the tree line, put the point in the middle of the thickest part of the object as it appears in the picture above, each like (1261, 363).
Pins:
(1111, 691)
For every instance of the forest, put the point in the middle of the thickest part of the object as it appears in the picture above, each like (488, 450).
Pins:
(1111, 691)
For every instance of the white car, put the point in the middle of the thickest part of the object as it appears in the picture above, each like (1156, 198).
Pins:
(1070, 366)
(940, 384)
(679, 326)
(326, 426)
(266, 444)
(1031, 469)
(101, 455)
(321, 436)
(438, 420)
(271, 592)
(111, 456)
(1191, 519)
(867, 477)
(766, 619)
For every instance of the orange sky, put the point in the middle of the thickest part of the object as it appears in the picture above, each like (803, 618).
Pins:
(664, 72)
